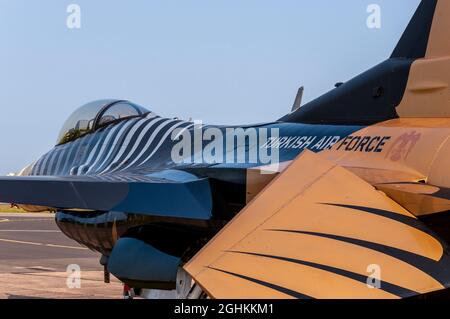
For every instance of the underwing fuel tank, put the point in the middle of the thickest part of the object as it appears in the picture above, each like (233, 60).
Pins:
(142, 251)
(140, 265)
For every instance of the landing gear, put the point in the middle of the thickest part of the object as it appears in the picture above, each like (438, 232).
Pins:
(128, 292)
(184, 284)
(186, 288)
(196, 292)
(106, 274)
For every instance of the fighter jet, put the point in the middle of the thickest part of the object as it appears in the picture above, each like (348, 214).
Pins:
(347, 196)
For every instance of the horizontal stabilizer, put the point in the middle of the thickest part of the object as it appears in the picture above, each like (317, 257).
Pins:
(144, 195)
(319, 231)
(414, 41)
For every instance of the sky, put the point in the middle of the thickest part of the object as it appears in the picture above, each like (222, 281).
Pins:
(220, 61)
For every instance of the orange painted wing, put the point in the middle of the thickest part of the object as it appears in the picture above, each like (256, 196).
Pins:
(319, 231)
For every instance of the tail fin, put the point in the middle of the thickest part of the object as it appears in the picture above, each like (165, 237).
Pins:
(414, 82)
(439, 41)
(427, 39)
(427, 33)
(414, 41)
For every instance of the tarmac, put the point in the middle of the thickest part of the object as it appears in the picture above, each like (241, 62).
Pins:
(38, 261)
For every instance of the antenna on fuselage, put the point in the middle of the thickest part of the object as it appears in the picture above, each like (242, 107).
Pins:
(298, 99)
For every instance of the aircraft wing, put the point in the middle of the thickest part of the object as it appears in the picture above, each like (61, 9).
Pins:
(183, 198)
(319, 231)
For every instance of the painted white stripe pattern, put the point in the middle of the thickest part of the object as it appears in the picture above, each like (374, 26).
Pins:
(161, 142)
(75, 149)
(51, 162)
(88, 148)
(104, 146)
(181, 132)
(101, 158)
(61, 154)
(149, 141)
(94, 150)
(127, 140)
(138, 141)
(43, 163)
(114, 145)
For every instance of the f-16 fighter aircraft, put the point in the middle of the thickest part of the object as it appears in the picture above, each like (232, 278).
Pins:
(348, 196)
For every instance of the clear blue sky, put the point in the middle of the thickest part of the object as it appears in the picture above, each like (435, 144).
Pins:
(222, 61)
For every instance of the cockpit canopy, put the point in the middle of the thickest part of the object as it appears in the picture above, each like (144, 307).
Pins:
(95, 115)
